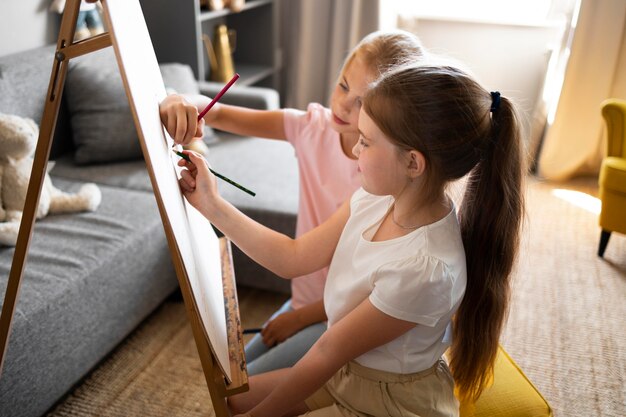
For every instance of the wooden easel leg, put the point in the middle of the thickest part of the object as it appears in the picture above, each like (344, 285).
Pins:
(212, 373)
(65, 50)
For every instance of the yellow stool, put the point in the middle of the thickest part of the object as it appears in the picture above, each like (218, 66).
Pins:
(510, 395)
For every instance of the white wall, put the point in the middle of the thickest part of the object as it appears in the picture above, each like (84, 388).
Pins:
(510, 58)
(26, 24)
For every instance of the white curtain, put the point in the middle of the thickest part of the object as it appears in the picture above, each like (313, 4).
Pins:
(573, 143)
(316, 37)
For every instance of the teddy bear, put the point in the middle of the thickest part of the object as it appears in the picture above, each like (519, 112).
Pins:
(18, 138)
(88, 23)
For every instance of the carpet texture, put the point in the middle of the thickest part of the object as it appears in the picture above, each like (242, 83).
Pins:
(566, 326)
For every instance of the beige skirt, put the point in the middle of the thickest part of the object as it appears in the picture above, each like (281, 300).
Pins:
(356, 390)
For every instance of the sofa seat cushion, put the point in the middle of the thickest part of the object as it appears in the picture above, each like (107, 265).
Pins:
(266, 167)
(89, 280)
(131, 175)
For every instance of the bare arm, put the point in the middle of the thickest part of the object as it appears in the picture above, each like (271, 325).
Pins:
(277, 252)
(243, 121)
(286, 257)
(179, 114)
(311, 313)
(360, 331)
(287, 324)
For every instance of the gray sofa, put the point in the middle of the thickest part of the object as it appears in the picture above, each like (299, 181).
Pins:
(91, 278)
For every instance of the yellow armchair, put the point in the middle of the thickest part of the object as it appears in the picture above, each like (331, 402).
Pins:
(612, 180)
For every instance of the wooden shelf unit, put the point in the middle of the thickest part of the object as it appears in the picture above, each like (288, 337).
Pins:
(176, 28)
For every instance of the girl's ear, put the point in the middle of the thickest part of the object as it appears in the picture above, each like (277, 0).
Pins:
(417, 164)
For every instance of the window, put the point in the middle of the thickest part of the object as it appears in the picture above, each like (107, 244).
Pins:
(502, 11)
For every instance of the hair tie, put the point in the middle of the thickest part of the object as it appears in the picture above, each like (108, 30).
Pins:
(495, 100)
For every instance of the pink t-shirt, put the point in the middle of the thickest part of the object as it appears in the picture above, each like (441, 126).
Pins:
(328, 177)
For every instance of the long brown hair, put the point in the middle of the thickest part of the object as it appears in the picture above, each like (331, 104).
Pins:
(461, 128)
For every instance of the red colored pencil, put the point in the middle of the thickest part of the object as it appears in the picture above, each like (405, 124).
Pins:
(218, 96)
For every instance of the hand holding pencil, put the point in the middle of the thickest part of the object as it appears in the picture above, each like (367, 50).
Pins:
(184, 123)
(182, 120)
(218, 175)
(198, 184)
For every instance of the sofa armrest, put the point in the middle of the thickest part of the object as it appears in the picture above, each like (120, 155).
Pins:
(260, 98)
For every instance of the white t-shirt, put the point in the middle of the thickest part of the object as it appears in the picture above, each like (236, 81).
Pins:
(328, 177)
(419, 277)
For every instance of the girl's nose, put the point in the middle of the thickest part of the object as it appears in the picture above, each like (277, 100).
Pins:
(347, 103)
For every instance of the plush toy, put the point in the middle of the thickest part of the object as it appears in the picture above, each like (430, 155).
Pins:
(18, 137)
(89, 22)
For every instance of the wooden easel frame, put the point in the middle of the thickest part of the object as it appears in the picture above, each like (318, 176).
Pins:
(219, 387)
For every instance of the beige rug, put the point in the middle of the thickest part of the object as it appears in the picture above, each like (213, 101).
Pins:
(566, 327)
(157, 371)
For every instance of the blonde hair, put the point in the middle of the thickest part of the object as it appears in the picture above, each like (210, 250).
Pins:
(384, 49)
(461, 128)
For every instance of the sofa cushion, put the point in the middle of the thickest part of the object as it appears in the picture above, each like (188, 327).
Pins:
(102, 124)
(89, 280)
(24, 79)
(179, 78)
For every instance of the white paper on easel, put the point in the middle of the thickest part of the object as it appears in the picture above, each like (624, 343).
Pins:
(197, 242)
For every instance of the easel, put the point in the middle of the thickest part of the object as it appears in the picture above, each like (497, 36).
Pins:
(219, 386)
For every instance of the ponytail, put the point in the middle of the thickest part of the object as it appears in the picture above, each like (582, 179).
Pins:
(490, 216)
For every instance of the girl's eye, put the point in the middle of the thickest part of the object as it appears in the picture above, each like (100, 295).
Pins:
(343, 86)
(362, 142)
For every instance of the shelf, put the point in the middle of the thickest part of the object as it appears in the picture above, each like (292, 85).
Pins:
(212, 14)
(251, 73)
(176, 29)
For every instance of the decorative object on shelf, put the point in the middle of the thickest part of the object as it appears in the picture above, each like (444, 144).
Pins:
(235, 5)
(212, 4)
(258, 58)
(220, 53)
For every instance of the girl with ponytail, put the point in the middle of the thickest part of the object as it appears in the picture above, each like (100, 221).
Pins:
(462, 129)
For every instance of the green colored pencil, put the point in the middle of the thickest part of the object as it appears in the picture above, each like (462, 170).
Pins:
(228, 180)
